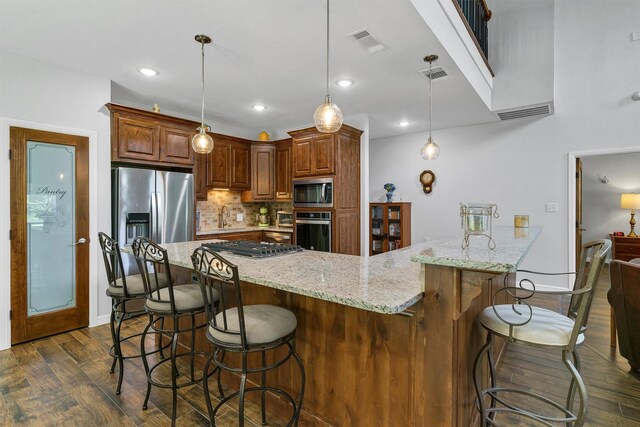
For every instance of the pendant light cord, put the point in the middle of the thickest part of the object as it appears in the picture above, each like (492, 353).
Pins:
(430, 99)
(202, 117)
(328, 48)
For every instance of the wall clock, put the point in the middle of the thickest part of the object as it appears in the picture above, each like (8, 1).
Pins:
(427, 178)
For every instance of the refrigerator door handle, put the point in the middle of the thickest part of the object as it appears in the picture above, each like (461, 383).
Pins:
(160, 218)
(154, 221)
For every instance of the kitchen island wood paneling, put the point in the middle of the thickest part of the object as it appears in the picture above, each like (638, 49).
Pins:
(386, 340)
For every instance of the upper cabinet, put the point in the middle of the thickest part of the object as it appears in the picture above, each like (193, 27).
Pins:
(175, 146)
(270, 172)
(229, 164)
(262, 174)
(200, 176)
(283, 168)
(313, 154)
(218, 170)
(240, 165)
(145, 137)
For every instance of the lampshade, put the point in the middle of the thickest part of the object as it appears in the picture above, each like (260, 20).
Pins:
(328, 117)
(430, 150)
(630, 201)
(202, 143)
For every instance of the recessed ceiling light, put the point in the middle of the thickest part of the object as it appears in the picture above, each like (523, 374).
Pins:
(149, 72)
(259, 107)
(404, 123)
(344, 83)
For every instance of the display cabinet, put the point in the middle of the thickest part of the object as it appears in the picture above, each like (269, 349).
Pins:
(389, 226)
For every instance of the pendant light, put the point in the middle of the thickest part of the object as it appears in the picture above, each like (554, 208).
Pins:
(328, 117)
(430, 150)
(202, 143)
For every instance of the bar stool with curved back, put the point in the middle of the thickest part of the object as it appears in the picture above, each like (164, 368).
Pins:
(173, 302)
(122, 290)
(244, 329)
(528, 325)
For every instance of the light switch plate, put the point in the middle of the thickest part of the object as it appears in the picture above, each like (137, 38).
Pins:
(551, 207)
(240, 217)
(635, 36)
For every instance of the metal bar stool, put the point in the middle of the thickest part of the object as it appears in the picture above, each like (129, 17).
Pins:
(122, 290)
(244, 330)
(532, 326)
(174, 302)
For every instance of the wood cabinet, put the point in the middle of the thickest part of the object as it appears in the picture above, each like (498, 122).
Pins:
(262, 174)
(240, 165)
(284, 176)
(389, 226)
(313, 155)
(625, 248)
(175, 146)
(335, 155)
(229, 163)
(200, 176)
(144, 137)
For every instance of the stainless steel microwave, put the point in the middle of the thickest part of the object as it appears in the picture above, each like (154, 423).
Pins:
(313, 193)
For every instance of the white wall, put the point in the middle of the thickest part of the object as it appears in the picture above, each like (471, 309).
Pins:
(521, 165)
(601, 212)
(521, 52)
(44, 96)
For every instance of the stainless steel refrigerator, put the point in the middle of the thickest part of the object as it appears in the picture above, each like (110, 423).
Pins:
(155, 204)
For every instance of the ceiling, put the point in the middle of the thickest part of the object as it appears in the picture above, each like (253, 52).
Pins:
(270, 52)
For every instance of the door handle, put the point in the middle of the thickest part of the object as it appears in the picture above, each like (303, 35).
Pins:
(81, 241)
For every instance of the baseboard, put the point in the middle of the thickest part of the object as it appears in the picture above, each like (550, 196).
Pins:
(101, 320)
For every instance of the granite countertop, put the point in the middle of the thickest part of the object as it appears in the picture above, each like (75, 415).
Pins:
(386, 283)
(243, 229)
(512, 244)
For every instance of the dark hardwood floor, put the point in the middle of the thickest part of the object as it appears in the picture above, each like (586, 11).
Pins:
(64, 381)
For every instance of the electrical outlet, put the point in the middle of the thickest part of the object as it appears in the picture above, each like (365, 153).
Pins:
(551, 207)
(240, 217)
(635, 36)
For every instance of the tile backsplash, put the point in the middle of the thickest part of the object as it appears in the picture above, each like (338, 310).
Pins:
(210, 210)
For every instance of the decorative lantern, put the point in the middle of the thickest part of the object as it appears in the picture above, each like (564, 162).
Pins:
(477, 221)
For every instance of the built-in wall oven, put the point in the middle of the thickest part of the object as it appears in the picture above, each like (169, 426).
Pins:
(313, 193)
(313, 230)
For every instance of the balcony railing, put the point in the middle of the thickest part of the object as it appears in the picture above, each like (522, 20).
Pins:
(476, 13)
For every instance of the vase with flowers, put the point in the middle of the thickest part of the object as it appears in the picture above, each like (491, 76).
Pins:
(389, 188)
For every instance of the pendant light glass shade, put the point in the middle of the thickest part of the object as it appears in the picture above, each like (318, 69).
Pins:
(202, 143)
(327, 117)
(430, 150)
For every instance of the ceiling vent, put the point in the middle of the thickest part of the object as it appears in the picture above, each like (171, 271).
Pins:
(538, 110)
(367, 41)
(436, 73)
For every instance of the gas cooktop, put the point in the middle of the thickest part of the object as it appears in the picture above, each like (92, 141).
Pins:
(253, 249)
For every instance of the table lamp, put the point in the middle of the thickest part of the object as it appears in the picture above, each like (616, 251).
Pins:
(631, 201)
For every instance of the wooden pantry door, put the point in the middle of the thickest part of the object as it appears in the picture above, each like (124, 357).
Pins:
(49, 233)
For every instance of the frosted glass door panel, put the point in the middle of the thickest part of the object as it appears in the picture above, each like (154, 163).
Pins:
(51, 254)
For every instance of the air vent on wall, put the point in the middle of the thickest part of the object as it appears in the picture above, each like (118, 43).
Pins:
(538, 110)
(436, 73)
(367, 41)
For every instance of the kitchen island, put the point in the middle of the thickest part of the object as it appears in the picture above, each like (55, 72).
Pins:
(386, 340)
